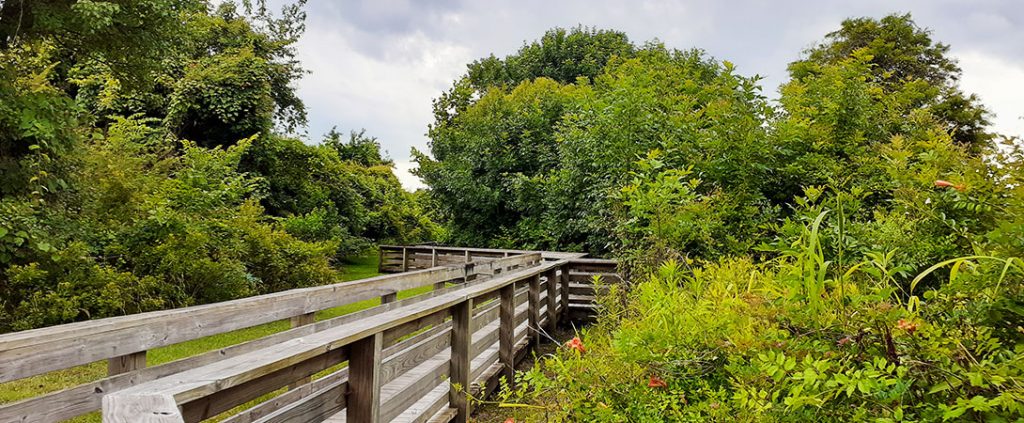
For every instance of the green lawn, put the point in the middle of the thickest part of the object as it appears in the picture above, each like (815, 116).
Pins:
(358, 268)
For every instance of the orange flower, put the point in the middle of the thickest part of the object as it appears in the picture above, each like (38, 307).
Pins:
(946, 184)
(907, 325)
(656, 382)
(510, 420)
(576, 344)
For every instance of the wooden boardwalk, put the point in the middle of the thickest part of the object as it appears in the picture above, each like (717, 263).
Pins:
(398, 361)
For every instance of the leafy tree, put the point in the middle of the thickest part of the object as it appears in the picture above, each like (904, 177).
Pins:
(143, 163)
(484, 159)
(360, 148)
(901, 53)
(560, 55)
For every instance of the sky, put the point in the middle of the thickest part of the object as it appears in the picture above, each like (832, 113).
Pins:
(378, 64)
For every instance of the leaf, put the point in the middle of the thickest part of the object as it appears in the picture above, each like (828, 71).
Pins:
(939, 387)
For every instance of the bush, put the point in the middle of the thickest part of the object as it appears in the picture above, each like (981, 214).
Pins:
(737, 340)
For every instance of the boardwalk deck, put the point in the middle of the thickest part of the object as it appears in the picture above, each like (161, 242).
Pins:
(394, 362)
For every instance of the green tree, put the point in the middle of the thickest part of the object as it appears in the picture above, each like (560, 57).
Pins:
(901, 53)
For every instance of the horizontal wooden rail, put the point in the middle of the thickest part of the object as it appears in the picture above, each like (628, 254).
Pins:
(399, 258)
(403, 356)
(185, 396)
(24, 354)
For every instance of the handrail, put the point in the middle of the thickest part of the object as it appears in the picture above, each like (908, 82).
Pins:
(168, 399)
(410, 331)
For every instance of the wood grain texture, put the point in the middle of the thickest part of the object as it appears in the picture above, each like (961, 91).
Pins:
(364, 380)
(535, 305)
(407, 373)
(459, 365)
(551, 282)
(126, 363)
(506, 333)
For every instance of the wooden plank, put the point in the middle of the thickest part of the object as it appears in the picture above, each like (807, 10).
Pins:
(158, 409)
(85, 398)
(27, 353)
(534, 315)
(427, 347)
(459, 370)
(225, 399)
(551, 282)
(564, 299)
(398, 359)
(126, 363)
(506, 333)
(197, 383)
(324, 403)
(363, 402)
(296, 321)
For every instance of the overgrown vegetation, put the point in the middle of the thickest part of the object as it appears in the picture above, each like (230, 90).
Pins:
(147, 162)
(851, 252)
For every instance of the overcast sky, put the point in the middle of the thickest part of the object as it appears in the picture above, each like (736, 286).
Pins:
(378, 64)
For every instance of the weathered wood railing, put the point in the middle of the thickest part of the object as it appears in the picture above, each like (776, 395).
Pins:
(403, 258)
(471, 328)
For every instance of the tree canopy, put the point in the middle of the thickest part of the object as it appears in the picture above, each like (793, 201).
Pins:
(148, 161)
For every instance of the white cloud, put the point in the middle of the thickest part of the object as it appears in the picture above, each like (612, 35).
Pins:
(403, 170)
(379, 64)
(1000, 84)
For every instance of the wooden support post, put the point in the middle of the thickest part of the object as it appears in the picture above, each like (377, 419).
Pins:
(389, 298)
(296, 321)
(552, 301)
(405, 259)
(433, 257)
(303, 319)
(126, 363)
(507, 333)
(380, 259)
(439, 285)
(565, 292)
(459, 370)
(533, 331)
(364, 381)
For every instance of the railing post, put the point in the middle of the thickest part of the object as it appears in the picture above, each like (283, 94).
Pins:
(388, 298)
(433, 257)
(565, 292)
(380, 259)
(534, 309)
(507, 333)
(469, 258)
(552, 301)
(363, 403)
(126, 363)
(405, 259)
(296, 321)
(459, 367)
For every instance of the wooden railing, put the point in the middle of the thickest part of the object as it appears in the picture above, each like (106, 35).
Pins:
(403, 258)
(471, 329)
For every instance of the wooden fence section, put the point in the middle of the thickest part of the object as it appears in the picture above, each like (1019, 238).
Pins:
(403, 258)
(402, 356)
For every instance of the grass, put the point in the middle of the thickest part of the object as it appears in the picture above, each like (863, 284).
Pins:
(356, 268)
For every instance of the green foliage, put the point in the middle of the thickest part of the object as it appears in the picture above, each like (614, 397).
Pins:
(901, 55)
(851, 255)
(543, 159)
(144, 166)
(782, 341)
